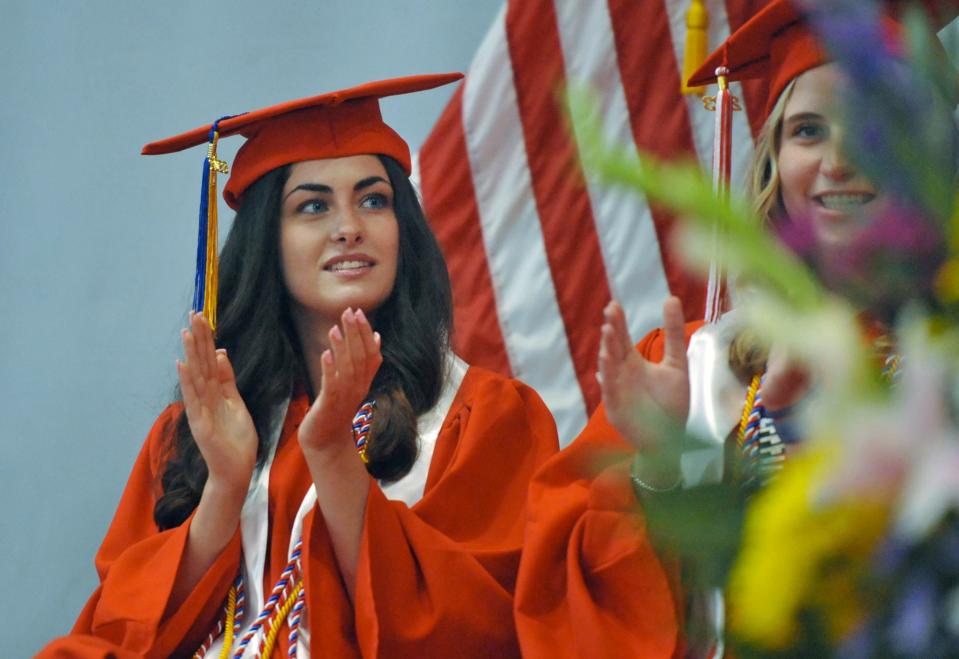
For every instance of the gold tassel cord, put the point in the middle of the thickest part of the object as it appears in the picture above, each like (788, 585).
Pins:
(278, 620)
(697, 37)
(212, 259)
(228, 625)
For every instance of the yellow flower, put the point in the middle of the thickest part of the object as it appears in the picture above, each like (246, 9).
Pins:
(797, 555)
(947, 281)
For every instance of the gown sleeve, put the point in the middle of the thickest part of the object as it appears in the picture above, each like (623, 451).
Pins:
(437, 579)
(590, 583)
(137, 566)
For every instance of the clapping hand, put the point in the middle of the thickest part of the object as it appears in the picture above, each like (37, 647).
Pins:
(348, 368)
(630, 383)
(218, 417)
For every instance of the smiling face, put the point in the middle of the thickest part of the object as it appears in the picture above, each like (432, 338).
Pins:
(339, 237)
(817, 183)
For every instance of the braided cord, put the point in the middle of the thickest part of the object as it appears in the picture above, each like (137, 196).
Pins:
(750, 443)
(362, 423)
(230, 623)
(281, 614)
(278, 596)
(233, 615)
(751, 394)
(891, 367)
(294, 622)
(212, 636)
(240, 608)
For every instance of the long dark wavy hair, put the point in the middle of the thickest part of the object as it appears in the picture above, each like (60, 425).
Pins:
(256, 329)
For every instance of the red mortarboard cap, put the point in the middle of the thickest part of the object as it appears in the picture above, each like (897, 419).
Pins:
(777, 45)
(341, 123)
(333, 125)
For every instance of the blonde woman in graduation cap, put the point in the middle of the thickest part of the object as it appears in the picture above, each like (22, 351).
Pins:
(334, 480)
(608, 593)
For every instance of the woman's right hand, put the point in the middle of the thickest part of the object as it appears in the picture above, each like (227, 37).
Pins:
(226, 437)
(629, 382)
(218, 417)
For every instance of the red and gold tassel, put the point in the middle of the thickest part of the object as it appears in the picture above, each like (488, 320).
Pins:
(724, 103)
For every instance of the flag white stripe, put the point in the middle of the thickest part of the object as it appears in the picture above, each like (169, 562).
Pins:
(526, 301)
(624, 223)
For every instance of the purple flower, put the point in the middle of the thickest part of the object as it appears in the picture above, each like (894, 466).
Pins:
(894, 258)
(901, 131)
(861, 644)
(890, 556)
(798, 237)
(914, 617)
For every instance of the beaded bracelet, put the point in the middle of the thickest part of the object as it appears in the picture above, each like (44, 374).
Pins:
(640, 486)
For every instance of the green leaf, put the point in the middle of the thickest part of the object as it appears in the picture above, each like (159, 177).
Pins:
(701, 525)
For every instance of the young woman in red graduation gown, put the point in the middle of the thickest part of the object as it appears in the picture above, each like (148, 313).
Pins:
(261, 515)
(590, 584)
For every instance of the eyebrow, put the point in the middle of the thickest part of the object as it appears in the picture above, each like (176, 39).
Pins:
(325, 189)
(803, 116)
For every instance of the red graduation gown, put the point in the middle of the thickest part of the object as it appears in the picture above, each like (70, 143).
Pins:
(433, 580)
(590, 584)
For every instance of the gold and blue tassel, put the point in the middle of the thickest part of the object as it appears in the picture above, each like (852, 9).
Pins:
(205, 281)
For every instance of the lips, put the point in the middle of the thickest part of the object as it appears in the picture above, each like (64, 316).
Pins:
(349, 263)
(844, 202)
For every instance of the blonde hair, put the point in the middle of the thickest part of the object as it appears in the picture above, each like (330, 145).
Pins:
(747, 354)
(762, 181)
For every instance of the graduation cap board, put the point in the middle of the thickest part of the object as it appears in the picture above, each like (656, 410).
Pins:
(777, 44)
(343, 123)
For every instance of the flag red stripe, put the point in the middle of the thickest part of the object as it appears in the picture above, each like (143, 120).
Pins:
(658, 117)
(577, 266)
(449, 198)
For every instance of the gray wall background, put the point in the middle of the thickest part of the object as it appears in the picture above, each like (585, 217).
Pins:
(97, 242)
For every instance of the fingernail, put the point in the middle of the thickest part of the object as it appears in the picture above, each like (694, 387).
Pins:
(376, 336)
(360, 316)
(335, 333)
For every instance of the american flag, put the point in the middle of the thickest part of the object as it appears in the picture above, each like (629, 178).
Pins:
(535, 247)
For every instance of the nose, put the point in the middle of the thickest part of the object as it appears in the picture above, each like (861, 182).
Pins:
(348, 230)
(835, 164)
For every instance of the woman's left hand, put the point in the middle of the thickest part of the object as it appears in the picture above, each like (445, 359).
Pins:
(348, 368)
(786, 381)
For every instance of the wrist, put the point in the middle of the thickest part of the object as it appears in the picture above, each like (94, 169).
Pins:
(226, 493)
(218, 512)
(332, 450)
(662, 475)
